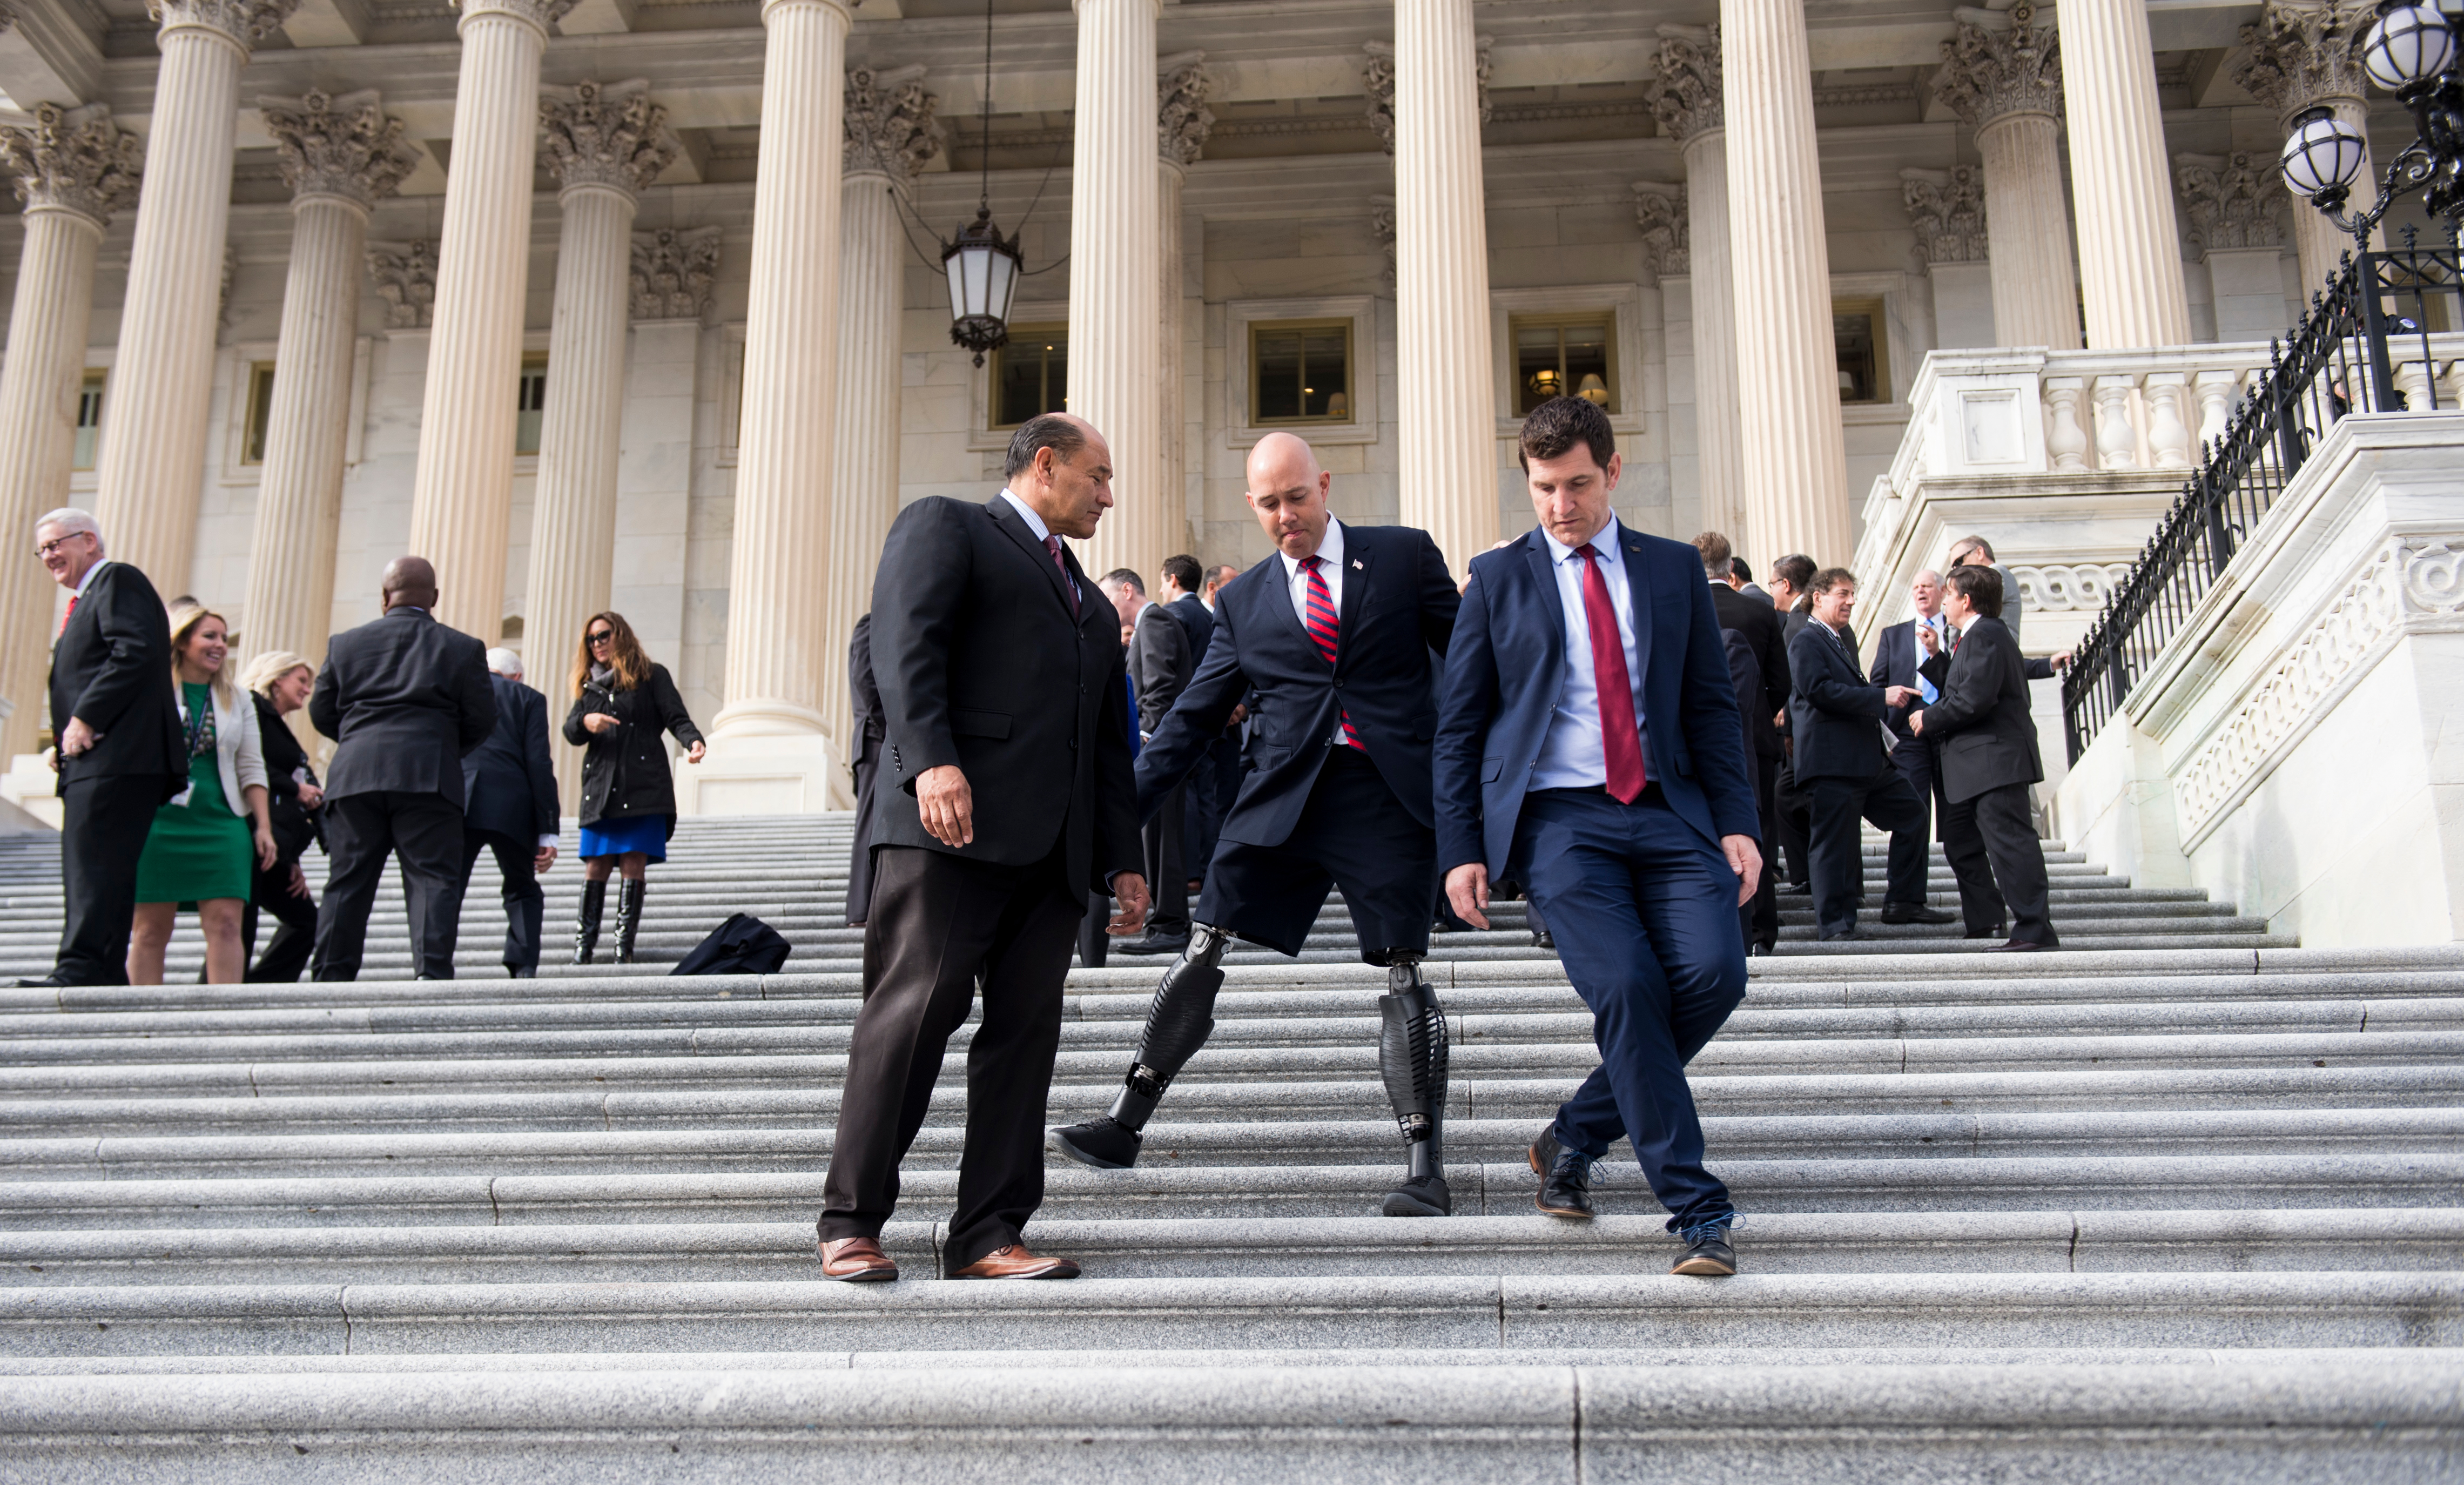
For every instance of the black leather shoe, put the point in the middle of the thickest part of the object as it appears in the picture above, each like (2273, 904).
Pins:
(1153, 942)
(1426, 1197)
(1708, 1254)
(1843, 935)
(1543, 939)
(46, 983)
(2016, 947)
(1444, 925)
(1796, 889)
(1103, 1141)
(1997, 931)
(1916, 913)
(1564, 1179)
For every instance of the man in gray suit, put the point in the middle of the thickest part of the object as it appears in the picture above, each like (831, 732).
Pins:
(1160, 665)
(510, 807)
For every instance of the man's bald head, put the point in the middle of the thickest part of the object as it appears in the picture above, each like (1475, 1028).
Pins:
(1287, 489)
(409, 583)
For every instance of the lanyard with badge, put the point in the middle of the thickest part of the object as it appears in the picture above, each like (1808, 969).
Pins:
(202, 738)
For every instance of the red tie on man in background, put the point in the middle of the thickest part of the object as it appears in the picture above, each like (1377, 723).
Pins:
(1323, 628)
(1620, 742)
(70, 615)
(1052, 544)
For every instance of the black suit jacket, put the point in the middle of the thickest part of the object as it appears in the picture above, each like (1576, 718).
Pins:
(1894, 664)
(1160, 664)
(1767, 638)
(1833, 714)
(509, 785)
(863, 694)
(1398, 605)
(1982, 724)
(111, 669)
(404, 697)
(981, 665)
(1194, 622)
(285, 763)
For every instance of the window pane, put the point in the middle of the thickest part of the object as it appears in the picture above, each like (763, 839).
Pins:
(1539, 369)
(530, 403)
(1279, 376)
(1326, 394)
(1852, 337)
(260, 411)
(89, 422)
(1586, 362)
(1031, 374)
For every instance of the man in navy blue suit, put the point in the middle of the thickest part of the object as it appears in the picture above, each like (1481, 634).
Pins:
(1331, 636)
(1895, 659)
(1589, 749)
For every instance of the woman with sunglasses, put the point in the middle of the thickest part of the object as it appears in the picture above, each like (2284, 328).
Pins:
(622, 702)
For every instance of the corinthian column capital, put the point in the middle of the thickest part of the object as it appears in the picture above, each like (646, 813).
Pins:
(606, 134)
(1661, 211)
(539, 14)
(2304, 53)
(892, 124)
(74, 159)
(339, 146)
(405, 274)
(1182, 119)
(243, 22)
(673, 272)
(1686, 99)
(1947, 207)
(1999, 63)
(2234, 200)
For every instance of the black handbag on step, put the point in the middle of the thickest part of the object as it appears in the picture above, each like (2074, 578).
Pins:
(744, 944)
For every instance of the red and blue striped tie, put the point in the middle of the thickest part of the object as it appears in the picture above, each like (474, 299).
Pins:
(1324, 628)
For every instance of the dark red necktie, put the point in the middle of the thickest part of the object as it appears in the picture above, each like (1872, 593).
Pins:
(1324, 628)
(1052, 544)
(70, 615)
(1620, 742)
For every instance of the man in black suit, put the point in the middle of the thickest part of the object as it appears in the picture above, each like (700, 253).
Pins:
(1989, 758)
(865, 698)
(1333, 634)
(510, 807)
(998, 663)
(1837, 720)
(1767, 641)
(121, 749)
(1788, 576)
(1896, 661)
(1202, 805)
(1160, 666)
(405, 700)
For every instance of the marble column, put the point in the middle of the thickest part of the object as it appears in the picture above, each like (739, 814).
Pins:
(73, 167)
(768, 750)
(604, 143)
(1687, 104)
(2301, 54)
(463, 493)
(339, 155)
(2001, 72)
(153, 457)
(1182, 122)
(1795, 467)
(1115, 350)
(2130, 251)
(1447, 408)
(892, 133)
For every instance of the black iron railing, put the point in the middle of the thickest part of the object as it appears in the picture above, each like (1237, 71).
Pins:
(2358, 349)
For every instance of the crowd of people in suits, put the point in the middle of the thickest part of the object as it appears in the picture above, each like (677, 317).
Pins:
(182, 790)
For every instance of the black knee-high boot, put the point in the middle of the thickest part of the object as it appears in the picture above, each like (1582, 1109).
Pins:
(585, 923)
(628, 917)
(1412, 1060)
(1178, 1022)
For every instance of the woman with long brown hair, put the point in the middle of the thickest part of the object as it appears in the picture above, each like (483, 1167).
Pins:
(622, 702)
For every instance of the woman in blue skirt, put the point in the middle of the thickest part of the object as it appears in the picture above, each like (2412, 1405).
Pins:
(620, 704)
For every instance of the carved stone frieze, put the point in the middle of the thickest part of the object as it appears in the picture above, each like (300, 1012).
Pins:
(1660, 210)
(406, 279)
(2068, 588)
(1947, 207)
(2303, 53)
(1182, 119)
(2234, 200)
(74, 159)
(1686, 98)
(892, 126)
(247, 22)
(339, 146)
(1377, 78)
(605, 134)
(673, 272)
(1999, 63)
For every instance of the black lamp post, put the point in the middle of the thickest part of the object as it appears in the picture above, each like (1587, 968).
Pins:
(2412, 50)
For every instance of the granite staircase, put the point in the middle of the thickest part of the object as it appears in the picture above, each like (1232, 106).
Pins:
(2184, 1202)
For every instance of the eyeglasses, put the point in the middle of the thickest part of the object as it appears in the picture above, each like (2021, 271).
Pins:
(605, 636)
(46, 548)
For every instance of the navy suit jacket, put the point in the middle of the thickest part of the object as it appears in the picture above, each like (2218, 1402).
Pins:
(1894, 664)
(508, 782)
(1398, 604)
(1508, 665)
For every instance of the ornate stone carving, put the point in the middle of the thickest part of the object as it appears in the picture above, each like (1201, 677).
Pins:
(606, 134)
(1947, 207)
(406, 279)
(1182, 119)
(74, 159)
(222, 295)
(1660, 210)
(2234, 200)
(891, 127)
(1999, 63)
(673, 272)
(1381, 225)
(1377, 78)
(542, 13)
(2303, 53)
(1686, 98)
(2082, 589)
(247, 22)
(339, 146)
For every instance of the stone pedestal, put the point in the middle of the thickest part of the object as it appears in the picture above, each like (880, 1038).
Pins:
(2130, 254)
(1115, 350)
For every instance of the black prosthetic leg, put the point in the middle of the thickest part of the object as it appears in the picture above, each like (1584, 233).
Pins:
(1412, 1060)
(1178, 1024)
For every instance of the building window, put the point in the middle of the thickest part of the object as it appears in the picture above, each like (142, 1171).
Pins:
(530, 405)
(1030, 375)
(89, 422)
(261, 412)
(1300, 371)
(1857, 334)
(1557, 354)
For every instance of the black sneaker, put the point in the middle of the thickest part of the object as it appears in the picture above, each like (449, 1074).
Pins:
(1708, 1254)
(1916, 913)
(1564, 1179)
(1103, 1141)
(1426, 1197)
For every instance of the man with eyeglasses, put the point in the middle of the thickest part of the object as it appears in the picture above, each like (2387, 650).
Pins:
(121, 751)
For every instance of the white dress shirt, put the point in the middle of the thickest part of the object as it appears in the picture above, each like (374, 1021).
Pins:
(1296, 576)
(1026, 513)
(1573, 754)
(1941, 628)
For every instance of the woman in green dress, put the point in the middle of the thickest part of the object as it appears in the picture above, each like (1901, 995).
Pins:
(203, 848)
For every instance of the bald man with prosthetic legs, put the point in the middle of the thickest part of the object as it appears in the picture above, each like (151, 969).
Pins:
(1333, 634)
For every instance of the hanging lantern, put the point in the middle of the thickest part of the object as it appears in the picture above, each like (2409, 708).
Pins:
(2409, 44)
(982, 268)
(2323, 154)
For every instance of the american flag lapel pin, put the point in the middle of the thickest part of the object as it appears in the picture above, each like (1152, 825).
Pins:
(1357, 566)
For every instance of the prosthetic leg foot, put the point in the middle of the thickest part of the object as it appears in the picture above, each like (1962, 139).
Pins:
(1178, 1024)
(1412, 1060)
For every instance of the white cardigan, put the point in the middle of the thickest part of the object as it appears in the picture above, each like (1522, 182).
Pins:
(238, 748)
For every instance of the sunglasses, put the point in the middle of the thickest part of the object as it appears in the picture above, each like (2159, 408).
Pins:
(603, 636)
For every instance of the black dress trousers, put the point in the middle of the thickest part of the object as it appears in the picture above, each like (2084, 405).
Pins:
(1837, 850)
(1352, 833)
(103, 825)
(1992, 844)
(525, 904)
(288, 954)
(360, 832)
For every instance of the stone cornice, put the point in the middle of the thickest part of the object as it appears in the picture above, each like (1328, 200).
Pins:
(1182, 119)
(1687, 99)
(1947, 207)
(1999, 63)
(891, 127)
(605, 134)
(75, 159)
(339, 146)
(2303, 53)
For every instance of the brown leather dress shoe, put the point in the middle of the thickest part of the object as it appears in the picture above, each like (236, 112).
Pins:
(857, 1260)
(1014, 1261)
